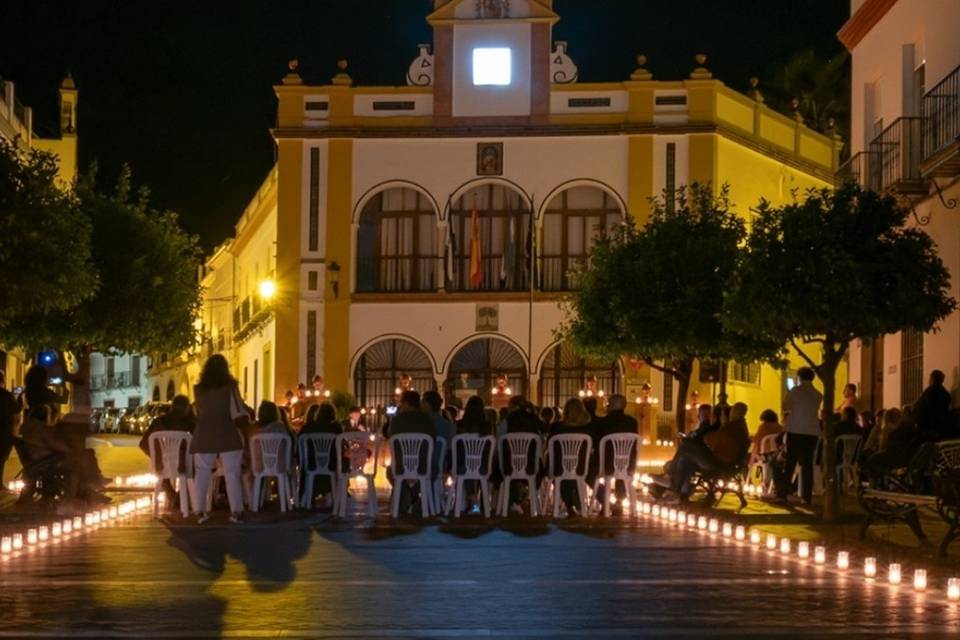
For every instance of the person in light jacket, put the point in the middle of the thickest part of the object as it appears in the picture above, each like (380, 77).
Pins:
(802, 426)
(216, 435)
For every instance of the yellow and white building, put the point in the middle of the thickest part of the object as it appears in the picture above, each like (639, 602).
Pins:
(906, 140)
(364, 224)
(16, 124)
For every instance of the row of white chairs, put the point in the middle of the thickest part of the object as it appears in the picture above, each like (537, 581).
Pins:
(358, 455)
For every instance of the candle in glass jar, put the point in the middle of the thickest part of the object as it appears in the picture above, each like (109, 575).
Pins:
(43, 534)
(843, 560)
(803, 549)
(785, 545)
(755, 536)
(727, 529)
(31, 536)
(55, 529)
(893, 573)
(714, 526)
(953, 589)
(820, 555)
(6, 544)
(920, 579)
(771, 541)
(740, 533)
(870, 567)
(17, 541)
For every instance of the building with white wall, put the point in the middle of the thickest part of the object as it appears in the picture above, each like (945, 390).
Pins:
(904, 140)
(365, 224)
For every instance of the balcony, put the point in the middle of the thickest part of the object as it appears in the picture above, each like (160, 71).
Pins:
(897, 153)
(859, 169)
(118, 380)
(396, 274)
(941, 128)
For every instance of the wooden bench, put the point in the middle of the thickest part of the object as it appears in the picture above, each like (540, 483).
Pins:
(900, 502)
(716, 484)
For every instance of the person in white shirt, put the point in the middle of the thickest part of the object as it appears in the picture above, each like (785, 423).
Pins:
(802, 426)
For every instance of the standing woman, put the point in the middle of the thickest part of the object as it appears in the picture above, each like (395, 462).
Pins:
(219, 409)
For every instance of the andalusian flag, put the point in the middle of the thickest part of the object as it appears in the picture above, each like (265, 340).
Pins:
(476, 259)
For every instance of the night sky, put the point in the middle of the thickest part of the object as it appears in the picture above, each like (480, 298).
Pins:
(183, 91)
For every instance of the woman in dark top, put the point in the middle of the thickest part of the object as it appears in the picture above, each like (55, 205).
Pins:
(576, 419)
(219, 409)
(474, 418)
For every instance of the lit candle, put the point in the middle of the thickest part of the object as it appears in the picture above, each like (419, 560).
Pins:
(740, 533)
(113, 513)
(870, 567)
(727, 529)
(56, 530)
(645, 508)
(785, 546)
(77, 523)
(920, 579)
(702, 523)
(714, 525)
(67, 526)
(843, 560)
(655, 510)
(691, 520)
(88, 519)
(105, 513)
(17, 541)
(893, 573)
(43, 534)
(31, 536)
(803, 549)
(6, 544)
(953, 589)
(771, 541)
(681, 517)
(755, 536)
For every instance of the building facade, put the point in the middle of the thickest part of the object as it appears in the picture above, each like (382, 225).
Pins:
(379, 193)
(16, 124)
(905, 132)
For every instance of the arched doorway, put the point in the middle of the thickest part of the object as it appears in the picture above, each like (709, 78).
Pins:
(564, 374)
(475, 367)
(171, 390)
(503, 224)
(396, 242)
(572, 222)
(156, 393)
(379, 369)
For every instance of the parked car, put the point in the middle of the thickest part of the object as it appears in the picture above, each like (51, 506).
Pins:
(96, 420)
(111, 420)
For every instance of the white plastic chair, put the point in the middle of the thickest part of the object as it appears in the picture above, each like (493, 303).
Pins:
(406, 450)
(848, 447)
(519, 446)
(574, 451)
(768, 444)
(270, 457)
(356, 450)
(320, 445)
(438, 495)
(623, 446)
(477, 461)
(165, 447)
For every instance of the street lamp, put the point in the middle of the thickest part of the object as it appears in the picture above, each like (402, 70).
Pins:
(268, 289)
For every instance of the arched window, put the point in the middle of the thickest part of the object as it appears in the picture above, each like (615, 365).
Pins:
(476, 366)
(571, 224)
(156, 393)
(396, 243)
(171, 390)
(564, 374)
(503, 224)
(381, 367)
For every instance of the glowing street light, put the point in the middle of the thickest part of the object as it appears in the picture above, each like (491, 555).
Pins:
(267, 289)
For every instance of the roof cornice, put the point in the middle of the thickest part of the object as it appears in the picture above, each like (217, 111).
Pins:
(860, 23)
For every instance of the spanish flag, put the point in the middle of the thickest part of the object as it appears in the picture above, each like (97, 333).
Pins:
(476, 259)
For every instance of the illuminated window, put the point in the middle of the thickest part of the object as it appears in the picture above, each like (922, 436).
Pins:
(492, 66)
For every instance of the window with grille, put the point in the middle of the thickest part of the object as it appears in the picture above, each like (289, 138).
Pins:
(911, 366)
(564, 374)
(748, 373)
(396, 244)
(573, 222)
(667, 402)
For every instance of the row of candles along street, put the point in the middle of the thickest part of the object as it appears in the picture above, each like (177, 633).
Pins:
(16, 542)
(12, 544)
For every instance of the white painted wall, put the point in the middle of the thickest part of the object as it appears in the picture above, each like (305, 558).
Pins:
(931, 26)
(510, 100)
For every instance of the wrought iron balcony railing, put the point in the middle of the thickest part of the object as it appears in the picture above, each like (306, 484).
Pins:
(897, 152)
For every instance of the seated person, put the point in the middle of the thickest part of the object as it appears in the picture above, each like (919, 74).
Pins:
(897, 446)
(576, 419)
(616, 421)
(43, 438)
(268, 421)
(765, 453)
(322, 418)
(180, 417)
(409, 419)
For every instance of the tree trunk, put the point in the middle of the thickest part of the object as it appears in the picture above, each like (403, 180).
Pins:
(722, 396)
(831, 494)
(682, 375)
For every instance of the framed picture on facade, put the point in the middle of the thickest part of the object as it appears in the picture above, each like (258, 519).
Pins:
(489, 158)
(488, 317)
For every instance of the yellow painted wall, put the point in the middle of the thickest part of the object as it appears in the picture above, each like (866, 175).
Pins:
(640, 168)
(336, 310)
(287, 310)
